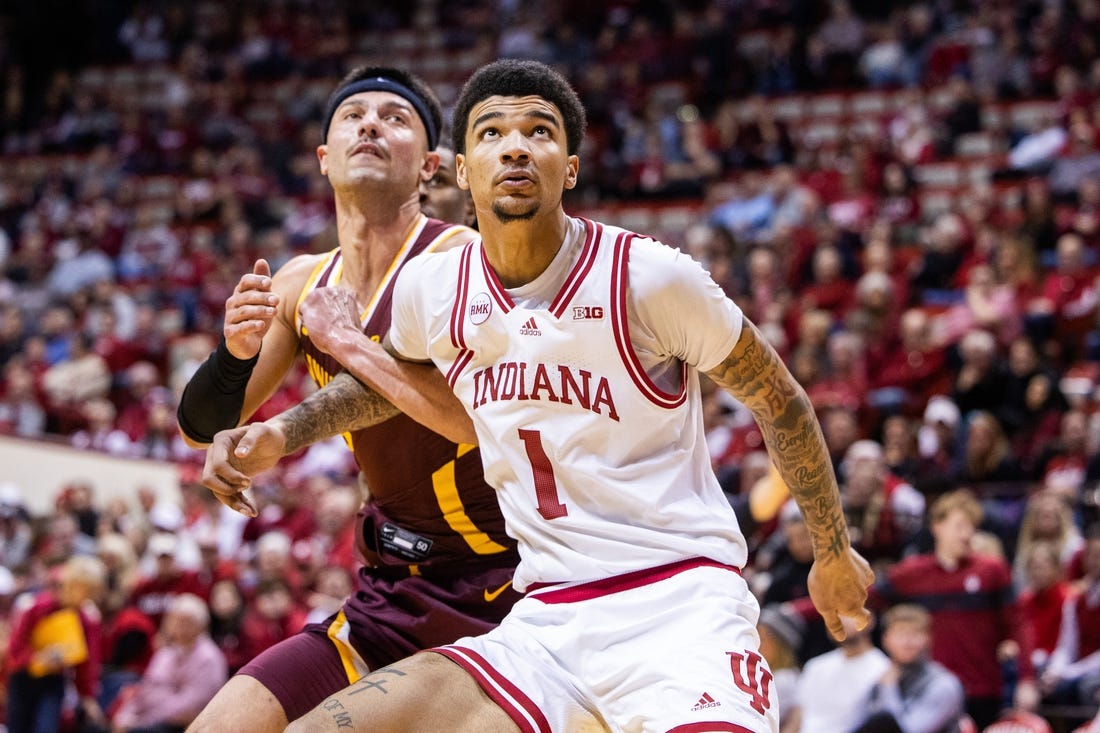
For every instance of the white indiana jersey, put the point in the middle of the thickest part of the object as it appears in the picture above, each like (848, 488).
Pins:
(594, 443)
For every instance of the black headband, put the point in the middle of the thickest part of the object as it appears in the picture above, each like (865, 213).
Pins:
(382, 84)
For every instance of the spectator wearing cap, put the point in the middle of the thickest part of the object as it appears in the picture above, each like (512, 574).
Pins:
(884, 512)
(213, 568)
(938, 445)
(273, 559)
(156, 589)
(974, 613)
(182, 677)
(166, 516)
(914, 694)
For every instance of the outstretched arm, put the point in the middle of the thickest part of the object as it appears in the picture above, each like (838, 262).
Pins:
(757, 377)
(332, 317)
(237, 455)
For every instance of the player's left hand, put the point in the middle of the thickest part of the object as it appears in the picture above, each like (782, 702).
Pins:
(237, 455)
(331, 317)
(838, 587)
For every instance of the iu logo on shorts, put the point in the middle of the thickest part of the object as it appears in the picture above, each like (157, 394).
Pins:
(752, 677)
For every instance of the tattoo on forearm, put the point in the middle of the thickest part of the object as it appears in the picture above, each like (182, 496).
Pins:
(339, 713)
(755, 375)
(342, 405)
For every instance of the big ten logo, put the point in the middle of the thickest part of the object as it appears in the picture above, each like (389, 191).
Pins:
(587, 312)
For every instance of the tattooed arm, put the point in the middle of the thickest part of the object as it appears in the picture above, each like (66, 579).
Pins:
(755, 375)
(331, 316)
(236, 455)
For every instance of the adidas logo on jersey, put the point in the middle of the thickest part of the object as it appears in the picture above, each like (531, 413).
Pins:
(530, 328)
(706, 701)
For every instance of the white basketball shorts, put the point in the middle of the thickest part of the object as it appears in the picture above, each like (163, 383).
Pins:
(664, 650)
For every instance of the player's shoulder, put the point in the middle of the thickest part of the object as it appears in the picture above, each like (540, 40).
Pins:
(300, 267)
(290, 280)
(428, 269)
(448, 236)
(654, 264)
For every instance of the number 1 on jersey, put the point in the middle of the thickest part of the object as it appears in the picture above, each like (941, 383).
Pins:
(546, 487)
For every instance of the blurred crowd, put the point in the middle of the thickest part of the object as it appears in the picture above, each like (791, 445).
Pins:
(905, 197)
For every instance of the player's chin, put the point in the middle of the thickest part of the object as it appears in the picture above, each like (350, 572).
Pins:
(512, 209)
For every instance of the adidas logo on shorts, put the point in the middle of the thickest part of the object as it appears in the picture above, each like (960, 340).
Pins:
(706, 701)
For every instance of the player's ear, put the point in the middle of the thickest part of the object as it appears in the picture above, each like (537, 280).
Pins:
(572, 167)
(429, 166)
(322, 158)
(460, 172)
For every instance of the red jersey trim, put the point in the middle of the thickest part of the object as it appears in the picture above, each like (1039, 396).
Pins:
(621, 327)
(580, 270)
(500, 295)
(323, 280)
(462, 295)
(520, 708)
(617, 583)
(459, 364)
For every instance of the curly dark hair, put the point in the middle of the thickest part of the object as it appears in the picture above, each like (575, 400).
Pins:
(417, 85)
(519, 78)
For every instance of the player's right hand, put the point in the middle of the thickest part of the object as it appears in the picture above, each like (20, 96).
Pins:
(249, 311)
(838, 588)
(237, 455)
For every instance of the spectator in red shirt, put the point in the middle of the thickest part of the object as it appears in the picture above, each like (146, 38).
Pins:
(271, 617)
(1073, 673)
(336, 524)
(44, 647)
(884, 512)
(1045, 590)
(1068, 296)
(154, 592)
(970, 597)
(917, 367)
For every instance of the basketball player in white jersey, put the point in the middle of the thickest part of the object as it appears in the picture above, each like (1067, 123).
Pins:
(575, 348)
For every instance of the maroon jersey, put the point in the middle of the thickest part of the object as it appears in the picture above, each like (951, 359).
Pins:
(430, 505)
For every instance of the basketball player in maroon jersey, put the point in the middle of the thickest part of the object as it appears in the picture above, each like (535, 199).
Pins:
(439, 565)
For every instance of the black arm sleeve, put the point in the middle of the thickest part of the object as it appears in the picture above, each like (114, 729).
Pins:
(212, 400)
